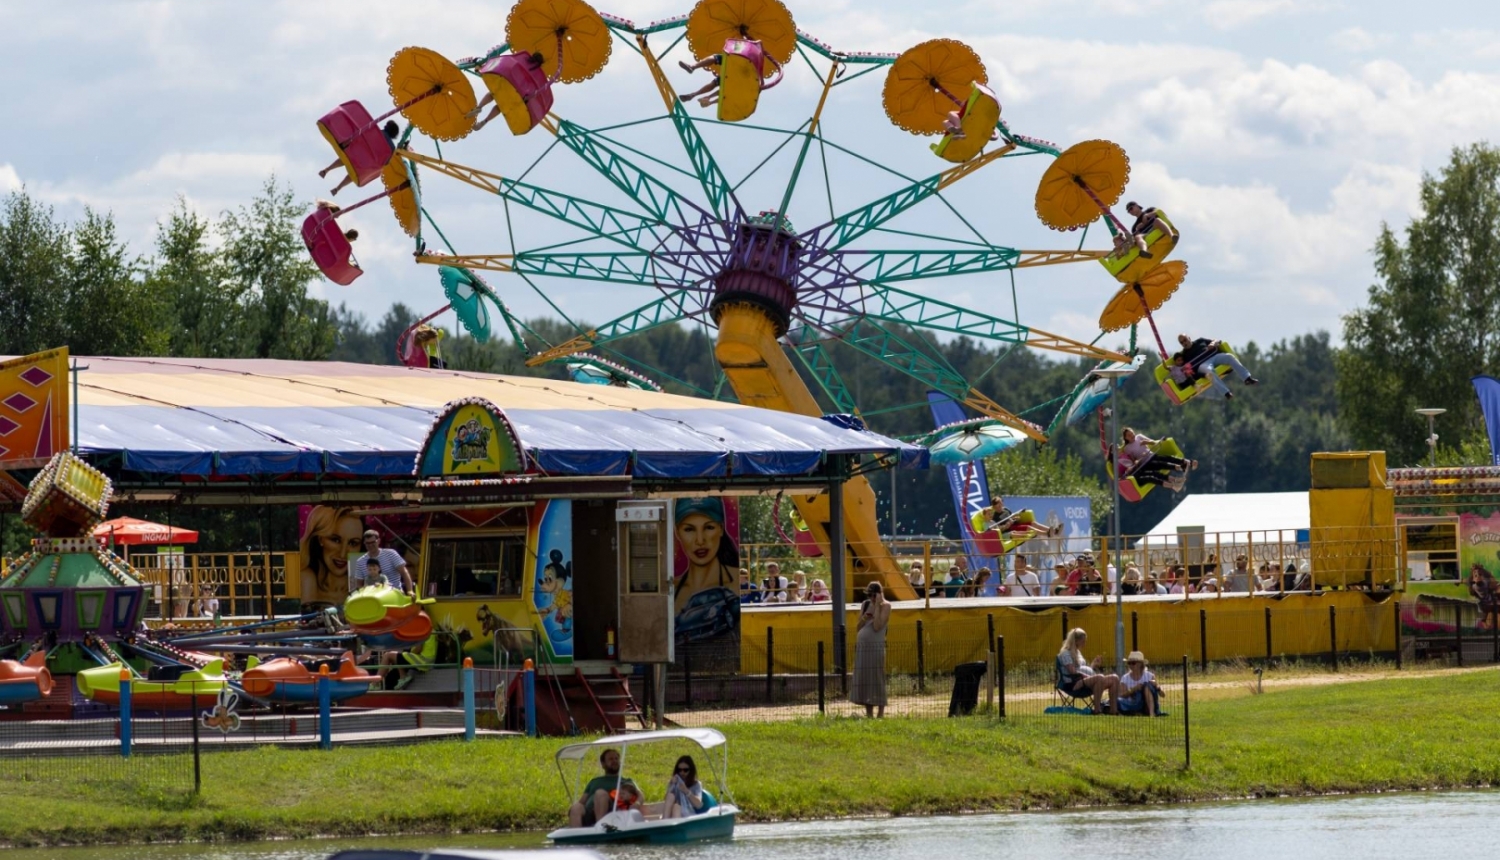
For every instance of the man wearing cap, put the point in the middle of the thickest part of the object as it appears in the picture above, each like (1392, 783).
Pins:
(391, 564)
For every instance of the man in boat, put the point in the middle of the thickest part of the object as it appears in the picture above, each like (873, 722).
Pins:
(604, 793)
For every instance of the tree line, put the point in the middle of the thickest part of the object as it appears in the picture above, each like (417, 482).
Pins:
(238, 286)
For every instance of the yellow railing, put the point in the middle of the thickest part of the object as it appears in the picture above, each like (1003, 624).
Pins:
(246, 584)
(1275, 560)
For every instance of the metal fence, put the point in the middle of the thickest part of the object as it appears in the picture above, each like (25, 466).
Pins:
(154, 753)
(936, 676)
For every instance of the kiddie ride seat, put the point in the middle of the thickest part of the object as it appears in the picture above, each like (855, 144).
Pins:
(359, 141)
(742, 76)
(331, 252)
(1133, 491)
(1130, 266)
(520, 88)
(1003, 537)
(1181, 394)
(980, 114)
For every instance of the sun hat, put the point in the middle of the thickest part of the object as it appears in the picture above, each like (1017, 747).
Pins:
(1135, 657)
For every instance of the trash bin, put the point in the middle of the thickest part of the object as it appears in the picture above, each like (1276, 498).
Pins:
(966, 680)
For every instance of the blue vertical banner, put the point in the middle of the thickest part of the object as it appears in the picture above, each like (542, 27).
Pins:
(968, 484)
(1488, 389)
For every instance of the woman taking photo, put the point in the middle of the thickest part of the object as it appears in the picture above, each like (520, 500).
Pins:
(868, 686)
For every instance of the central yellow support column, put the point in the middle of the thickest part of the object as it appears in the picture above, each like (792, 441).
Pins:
(763, 376)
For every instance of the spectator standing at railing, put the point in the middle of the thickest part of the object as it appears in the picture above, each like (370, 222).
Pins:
(981, 581)
(1022, 581)
(798, 592)
(917, 580)
(1239, 581)
(956, 582)
(1266, 579)
(749, 591)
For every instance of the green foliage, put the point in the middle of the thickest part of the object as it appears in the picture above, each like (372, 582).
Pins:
(1433, 318)
(265, 263)
(71, 284)
(235, 288)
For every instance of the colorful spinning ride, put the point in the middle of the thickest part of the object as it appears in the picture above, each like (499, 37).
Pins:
(774, 293)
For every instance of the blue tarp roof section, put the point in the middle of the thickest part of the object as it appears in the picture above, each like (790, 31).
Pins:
(245, 441)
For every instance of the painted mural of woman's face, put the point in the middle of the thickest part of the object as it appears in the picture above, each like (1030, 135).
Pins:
(340, 543)
(699, 537)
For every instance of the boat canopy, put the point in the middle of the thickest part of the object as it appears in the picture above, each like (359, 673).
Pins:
(703, 737)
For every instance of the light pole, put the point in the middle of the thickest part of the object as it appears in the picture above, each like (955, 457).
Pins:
(1432, 415)
(1114, 373)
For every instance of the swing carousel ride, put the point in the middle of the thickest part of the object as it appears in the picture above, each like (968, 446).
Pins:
(779, 297)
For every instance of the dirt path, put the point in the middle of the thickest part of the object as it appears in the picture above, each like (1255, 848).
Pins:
(935, 703)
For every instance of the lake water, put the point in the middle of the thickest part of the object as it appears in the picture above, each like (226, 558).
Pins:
(1451, 826)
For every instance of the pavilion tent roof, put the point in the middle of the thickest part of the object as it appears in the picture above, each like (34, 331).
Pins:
(244, 418)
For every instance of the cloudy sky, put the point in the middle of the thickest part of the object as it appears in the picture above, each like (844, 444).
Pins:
(1277, 133)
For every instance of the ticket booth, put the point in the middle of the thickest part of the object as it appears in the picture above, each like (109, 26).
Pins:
(644, 538)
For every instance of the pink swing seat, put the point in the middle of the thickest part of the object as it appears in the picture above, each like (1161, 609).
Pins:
(522, 92)
(362, 146)
(331, 252)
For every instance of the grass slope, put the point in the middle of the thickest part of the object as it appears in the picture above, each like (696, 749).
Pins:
(1434, 732)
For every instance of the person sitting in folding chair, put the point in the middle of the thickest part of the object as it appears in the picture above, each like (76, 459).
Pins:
(1079, 679)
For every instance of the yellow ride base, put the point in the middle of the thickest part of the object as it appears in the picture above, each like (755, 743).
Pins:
(739, 88)
(1132, 267)
(1181, 394)
(980, 116)
(517, 114)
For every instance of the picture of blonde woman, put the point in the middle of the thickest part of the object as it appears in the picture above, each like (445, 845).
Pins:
(330, 537)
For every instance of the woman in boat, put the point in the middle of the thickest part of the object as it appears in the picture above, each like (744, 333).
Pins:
(686, 796)
(329, 538)
(868, 687)
(1078, 677)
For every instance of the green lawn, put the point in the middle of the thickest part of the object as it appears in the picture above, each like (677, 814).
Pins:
(1398, 734)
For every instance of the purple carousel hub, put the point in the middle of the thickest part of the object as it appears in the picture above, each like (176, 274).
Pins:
(761, 269)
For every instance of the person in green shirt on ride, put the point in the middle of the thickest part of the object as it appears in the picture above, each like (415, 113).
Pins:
(604, 793)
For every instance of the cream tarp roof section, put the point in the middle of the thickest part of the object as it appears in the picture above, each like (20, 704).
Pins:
(1239, 513)
(264, 417)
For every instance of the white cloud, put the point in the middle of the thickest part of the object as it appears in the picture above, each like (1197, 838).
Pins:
(1231, 14)
(1276, 109)
(9, 179)
(1481, 44)
(1358, 40)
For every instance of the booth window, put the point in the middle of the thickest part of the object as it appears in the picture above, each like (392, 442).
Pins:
(481, 566)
